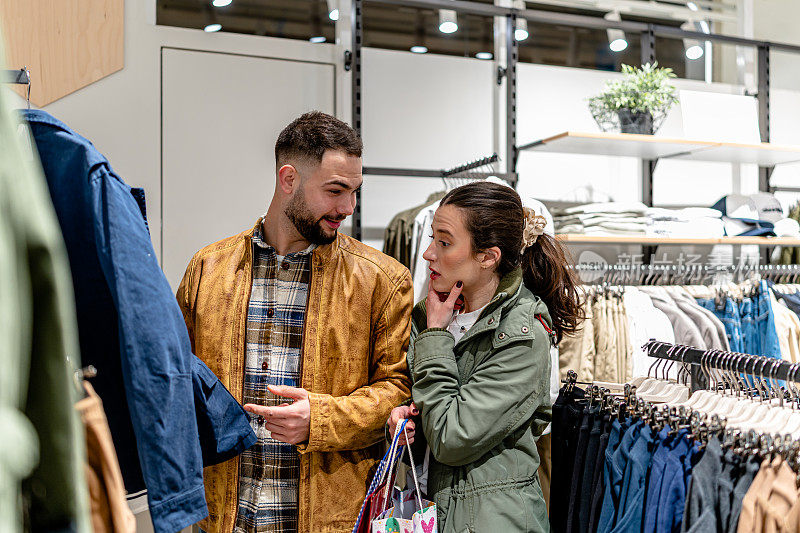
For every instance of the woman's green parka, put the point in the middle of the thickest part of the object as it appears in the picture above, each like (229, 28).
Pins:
(484, 401)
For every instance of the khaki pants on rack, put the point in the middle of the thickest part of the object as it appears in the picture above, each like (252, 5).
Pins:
(576, 352)
(109, 508)
(605, 332)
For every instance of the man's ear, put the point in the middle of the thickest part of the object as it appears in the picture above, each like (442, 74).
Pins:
(489, 259)
(288, 179)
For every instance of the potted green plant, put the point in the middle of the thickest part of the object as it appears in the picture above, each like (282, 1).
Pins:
(638, 103)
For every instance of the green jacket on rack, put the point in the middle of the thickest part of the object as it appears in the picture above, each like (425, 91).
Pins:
(42, 450)
(484, 402)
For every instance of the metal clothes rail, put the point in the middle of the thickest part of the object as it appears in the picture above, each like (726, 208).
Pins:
(740, 363)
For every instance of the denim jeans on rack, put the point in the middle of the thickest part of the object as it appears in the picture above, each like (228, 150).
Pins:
(730, 318)
(765, 321)
(751, 343)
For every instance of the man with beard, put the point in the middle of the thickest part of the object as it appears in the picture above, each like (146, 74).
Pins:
(308, 328)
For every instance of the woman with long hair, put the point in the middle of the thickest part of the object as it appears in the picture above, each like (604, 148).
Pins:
(500, 293)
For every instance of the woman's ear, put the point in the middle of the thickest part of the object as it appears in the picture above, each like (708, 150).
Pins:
(489, 259)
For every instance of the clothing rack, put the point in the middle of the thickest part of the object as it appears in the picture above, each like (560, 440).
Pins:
(685, 274)
(485, 161)
(698, 360)
(467, 172)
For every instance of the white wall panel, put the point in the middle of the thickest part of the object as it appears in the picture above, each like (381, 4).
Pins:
(219, 139)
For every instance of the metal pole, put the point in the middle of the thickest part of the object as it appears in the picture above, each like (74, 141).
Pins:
(358, 33)
(648, 166)
(512, 52)
(764, 173)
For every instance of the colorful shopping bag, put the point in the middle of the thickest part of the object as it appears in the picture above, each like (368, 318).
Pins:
(375, 502)
(414, 516)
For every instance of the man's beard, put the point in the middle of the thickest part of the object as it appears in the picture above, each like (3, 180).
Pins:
(306, 224)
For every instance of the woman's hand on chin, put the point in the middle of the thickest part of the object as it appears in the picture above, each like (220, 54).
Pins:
(440, 313)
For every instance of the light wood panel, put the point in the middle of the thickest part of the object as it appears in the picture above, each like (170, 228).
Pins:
(66, 44)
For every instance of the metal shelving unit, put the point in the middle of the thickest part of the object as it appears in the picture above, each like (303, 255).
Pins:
(648, 33)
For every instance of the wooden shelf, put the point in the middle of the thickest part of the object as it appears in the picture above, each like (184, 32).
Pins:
(652, 147)
(573, 238)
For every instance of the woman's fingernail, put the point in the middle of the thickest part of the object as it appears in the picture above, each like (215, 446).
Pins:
(459, 284)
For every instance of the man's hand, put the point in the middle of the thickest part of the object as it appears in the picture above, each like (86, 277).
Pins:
(289, 423)
(400, 413)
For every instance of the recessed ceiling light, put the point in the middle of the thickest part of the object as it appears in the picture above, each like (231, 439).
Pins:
(221, 3)
(211, 28)
(484, 55)
(334, 14)
(318, 39)
(419, 49)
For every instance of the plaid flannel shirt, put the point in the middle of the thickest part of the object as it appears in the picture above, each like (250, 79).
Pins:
(269, 471)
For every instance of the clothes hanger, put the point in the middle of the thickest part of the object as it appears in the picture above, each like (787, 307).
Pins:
(702, 396)
(753, 417)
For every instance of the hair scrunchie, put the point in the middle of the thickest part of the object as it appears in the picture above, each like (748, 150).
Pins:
(534, 226)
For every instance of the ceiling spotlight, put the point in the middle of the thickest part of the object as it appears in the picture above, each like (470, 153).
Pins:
(221, 3)
(521, 33)
(211, 28)
(694, 51)
(318, 39)
(448, 21)
(333, 9)
(692, 6)
(618, 45)
(616, 37)
(484, 55)
(694, 48)
(419, 49)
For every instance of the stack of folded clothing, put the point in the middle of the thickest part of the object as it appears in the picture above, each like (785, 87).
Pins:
(607, 218)
(690, 222)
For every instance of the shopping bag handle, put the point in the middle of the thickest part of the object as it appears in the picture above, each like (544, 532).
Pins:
(413, 469)
(390, 458)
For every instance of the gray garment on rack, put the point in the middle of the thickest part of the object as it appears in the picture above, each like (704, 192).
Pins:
(700, 513)
(686, 332)
(748, 474)
(716, 322)
(707, 328)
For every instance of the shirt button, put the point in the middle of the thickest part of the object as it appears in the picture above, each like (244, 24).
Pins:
(264, 365)
(260, 420)
(501, 336)
(524, 329)
(491, 321)
(270, 313)
(285, 265)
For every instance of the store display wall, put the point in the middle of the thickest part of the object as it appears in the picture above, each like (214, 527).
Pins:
(419, 111)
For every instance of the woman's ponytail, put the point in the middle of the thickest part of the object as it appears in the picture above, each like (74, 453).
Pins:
(546, 274)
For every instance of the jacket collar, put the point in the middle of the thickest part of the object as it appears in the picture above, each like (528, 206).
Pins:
(319, 256)
(43, 117)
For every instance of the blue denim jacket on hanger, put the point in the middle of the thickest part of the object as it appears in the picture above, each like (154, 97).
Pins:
(168, 413)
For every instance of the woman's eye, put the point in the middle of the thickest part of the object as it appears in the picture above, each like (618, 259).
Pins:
(444, 243)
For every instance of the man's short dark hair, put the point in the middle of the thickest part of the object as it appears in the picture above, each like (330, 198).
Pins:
(310, 135)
